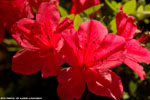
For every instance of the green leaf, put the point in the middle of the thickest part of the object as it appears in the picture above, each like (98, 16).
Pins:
(140, 9)
(147, 7)
(69, 16)
(77, 21)
(116, 5)
(10, 42)
(125, 95)
(130, 7)
(113, 26)
(132, 87)
(63, 12)
(112, 7)
(93, 9)
(146, 21)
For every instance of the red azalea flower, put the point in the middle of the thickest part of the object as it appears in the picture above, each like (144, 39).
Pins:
(92, 53)
(40, 39)
(11, 11)
(1, 34)
(81, 5)
(134, 51)
(36, 3)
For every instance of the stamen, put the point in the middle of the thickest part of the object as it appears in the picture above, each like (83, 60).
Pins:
(83, 67)
(144, 38)
(140, 30)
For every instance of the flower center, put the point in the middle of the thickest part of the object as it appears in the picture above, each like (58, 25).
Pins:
(83, 67)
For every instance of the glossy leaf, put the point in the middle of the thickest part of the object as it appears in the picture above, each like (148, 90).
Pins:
(77, 21)
(130, 7)
(63, 12)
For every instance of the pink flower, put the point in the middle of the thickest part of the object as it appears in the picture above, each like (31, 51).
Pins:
(91, 52)
(36, 3)
(11, 11)
(134, 51)
(81, 5)
(41, 41)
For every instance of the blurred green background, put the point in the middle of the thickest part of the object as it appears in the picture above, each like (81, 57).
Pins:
(17, 85)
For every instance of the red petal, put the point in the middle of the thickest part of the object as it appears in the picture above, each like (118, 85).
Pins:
(50, 66)
(136, 52)
(114, 60)
(71, 84)
(39, 33)
(70, 46)
(37, 3)
(26, 62)
(64, 24)
(89, 37)
(80, 5)
(104, 84)
(21, 32)
(47, 20)
(25, 9)
(48, 14)
(2, 33)
(16, 9)
(125, 25)
(116, 43)
(109, 56)
(135, 67)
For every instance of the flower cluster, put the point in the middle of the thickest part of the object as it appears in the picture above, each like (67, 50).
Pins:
(91, 52)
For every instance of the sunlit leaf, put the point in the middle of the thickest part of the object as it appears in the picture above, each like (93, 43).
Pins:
(69, 16)
(132, 87)
(10, 42)
(130, 7)
(140, 9)
(63, 12)
(77, 21)
(146, 21)
(113, 25)
(93, 9)
(147, 7)
(125, 95)
(111, 6)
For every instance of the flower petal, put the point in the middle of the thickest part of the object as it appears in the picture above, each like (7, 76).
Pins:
(89, 38)
(16, 9)
(70, 46)
(21, 32)
(81, 5)
(48, 14)
(116, 43)
(37, 3)
(136, 52)
(109, 56)
(104, 83)
(50, 66)
(125, 25)
(71, 84)
(112, 61)
(66, 23)
(2, 33)
(26, 62)
(135, 67)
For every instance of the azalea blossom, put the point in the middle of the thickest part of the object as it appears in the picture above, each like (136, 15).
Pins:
(81, 5)
(41, 41)
(11, 11)
(135, 53)
(91, 52)
(36, 3)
